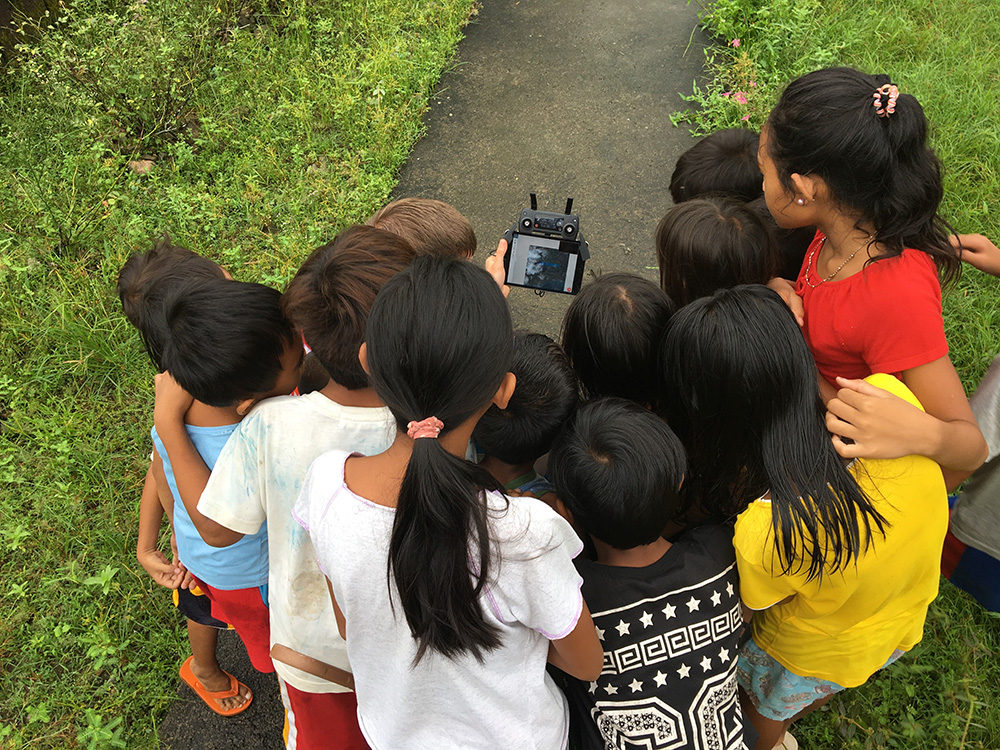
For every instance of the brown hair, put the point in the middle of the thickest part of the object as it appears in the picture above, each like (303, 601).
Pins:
(432, 227)
(713, 242)
(331, 295)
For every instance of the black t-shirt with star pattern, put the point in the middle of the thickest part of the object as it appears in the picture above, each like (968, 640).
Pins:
(670, 635)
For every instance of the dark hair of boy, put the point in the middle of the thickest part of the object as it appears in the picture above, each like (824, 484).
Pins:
(824, 124)
(330, 297)
(432, 227)
(723, 162)
(225, 339)
(546, 394)
(792, 243)
(739, 388)
(313, 377)
(713, 242)
(611, 333)
(618, 468)
(440, 342)
(147, 277)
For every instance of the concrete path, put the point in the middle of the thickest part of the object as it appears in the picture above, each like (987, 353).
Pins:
(563, 97)
(566, 98)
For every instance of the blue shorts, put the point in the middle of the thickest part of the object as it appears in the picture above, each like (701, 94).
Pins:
(777, 693)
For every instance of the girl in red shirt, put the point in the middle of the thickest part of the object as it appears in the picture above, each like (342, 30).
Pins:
(846, 152)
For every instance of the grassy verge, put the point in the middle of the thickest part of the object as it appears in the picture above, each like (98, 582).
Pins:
(945, 693)
(251, 130)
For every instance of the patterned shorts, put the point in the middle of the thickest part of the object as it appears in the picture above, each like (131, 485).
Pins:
(777, 693)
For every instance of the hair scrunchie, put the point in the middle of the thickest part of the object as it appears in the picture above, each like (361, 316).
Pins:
(891, 92)
(425, 428)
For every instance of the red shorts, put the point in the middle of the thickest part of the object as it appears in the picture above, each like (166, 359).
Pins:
(321, 721)
(245, 610)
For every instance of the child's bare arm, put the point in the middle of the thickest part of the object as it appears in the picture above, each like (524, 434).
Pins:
(162, 487)
(190, 472)
(883, 425)
(579, 654)
(337, 613)
(163, 571)
(978, 252)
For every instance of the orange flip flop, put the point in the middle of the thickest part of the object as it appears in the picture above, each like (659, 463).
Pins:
(210, 698)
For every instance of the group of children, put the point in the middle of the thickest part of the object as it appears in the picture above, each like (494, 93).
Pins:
(456, 535)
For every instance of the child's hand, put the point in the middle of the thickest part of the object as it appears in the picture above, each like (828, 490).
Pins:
(494, 265)
(881, 424)
(172, 402)
(978, 251)
(187, 580)
(786, 290)
(166, 573)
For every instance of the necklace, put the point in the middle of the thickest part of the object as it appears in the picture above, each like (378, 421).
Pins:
(850, 257)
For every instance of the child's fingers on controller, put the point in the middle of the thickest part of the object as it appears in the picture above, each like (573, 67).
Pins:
(494, 266)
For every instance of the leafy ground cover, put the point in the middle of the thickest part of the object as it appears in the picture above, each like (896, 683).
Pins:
(252, 131)
(944, 695)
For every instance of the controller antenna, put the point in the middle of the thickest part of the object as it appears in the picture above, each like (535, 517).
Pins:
(569, 206)
(534, 202)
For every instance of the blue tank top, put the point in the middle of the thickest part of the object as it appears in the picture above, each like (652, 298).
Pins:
(239, 566)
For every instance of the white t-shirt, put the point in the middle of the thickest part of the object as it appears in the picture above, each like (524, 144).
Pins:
(533, 596)
(258, 477)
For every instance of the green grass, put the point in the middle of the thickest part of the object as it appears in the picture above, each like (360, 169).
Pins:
(270, 125)
(944, 694)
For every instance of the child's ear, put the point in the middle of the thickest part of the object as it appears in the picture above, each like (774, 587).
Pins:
(809, 187)
(502, 397)
(363, 358)
(245, 405)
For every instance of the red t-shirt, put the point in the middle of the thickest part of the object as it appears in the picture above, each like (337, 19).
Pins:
(885, 318)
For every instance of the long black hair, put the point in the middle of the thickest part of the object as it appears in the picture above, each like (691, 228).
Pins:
(439, 342)
(877, 167)
(740, 391)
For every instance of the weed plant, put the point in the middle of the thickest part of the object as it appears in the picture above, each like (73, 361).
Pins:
(252, 131)
(945, 693)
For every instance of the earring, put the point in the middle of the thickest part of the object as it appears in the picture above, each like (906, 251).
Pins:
(801, 201)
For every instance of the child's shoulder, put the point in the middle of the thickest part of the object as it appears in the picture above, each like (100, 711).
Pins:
(301, 413)
(322, 484)
(711, 538)
(282, 408)
(528, 524)
(911, 265)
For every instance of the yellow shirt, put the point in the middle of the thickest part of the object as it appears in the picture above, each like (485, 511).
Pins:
(844, 627)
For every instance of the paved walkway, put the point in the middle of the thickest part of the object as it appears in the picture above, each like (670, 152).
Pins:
(566, 98)
(563, 97)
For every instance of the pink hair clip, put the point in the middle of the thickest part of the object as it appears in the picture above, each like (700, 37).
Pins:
(890, 91)
(425, 428)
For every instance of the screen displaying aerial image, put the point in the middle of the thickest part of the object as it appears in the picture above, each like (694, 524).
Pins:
(537, 262)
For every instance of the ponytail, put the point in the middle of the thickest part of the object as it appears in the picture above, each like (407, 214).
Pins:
(439, 554)
(439, 342)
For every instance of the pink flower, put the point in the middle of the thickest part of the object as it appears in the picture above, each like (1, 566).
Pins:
(745, 117)
(740, 97)
(725, 94)
(735, 43)
(753, 84)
